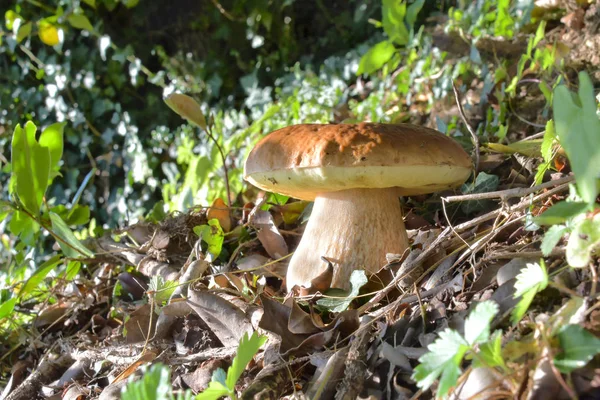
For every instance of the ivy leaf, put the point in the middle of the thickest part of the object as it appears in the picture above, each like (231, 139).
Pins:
(80, 21)
(358, 279)
(477, 324)
(578, 130)
(442, 359)
(583, 240)
(578, 347)
(531, 280)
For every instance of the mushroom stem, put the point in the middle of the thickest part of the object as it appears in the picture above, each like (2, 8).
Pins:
(353, 229)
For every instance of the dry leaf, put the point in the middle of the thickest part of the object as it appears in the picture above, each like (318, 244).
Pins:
(268, 234)
(227, 321)
(220, 211)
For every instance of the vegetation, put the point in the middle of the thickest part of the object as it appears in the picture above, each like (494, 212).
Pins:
(136, 262)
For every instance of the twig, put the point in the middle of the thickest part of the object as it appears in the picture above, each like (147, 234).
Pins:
(474, 136)
(444, 236)
(508, 193)
(525, 254)
(224, 160)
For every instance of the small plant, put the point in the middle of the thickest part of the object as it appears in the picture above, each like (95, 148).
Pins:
(223, 384)
(154, 385)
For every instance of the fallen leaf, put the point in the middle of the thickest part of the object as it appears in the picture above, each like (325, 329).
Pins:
(227, 321)
(220, 211)
(138, 323)
(268, 234)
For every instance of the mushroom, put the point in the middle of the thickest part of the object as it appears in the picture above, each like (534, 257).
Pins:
(355, 174)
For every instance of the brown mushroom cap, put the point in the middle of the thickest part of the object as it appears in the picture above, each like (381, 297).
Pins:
(304, 160)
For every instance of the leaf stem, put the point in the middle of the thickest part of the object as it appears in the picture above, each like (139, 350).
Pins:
(224, 160)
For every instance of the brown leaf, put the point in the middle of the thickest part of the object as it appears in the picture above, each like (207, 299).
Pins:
(145, 358)
(268, 234)
(138, 323)
(187, 108)
(220, 211)
(199, 379)
(227, 321)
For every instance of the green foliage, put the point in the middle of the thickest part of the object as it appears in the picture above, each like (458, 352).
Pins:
(578, 130)
(155, 384)
(584, 239)
(578, 347)
(31, 165)
(445, 355)
(224, 385)
(162, 289)
(341, 299)
(530, 281)
(213, 235)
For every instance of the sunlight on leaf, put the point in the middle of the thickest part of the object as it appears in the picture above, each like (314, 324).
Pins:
(578, 130)
(532, 279)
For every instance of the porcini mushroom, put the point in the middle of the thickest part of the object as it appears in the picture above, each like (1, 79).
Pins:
(354, 174)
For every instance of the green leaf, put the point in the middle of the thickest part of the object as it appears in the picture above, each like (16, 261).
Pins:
(443, 359)
(393, 12)
(30, 167)
(412, 11)
(24, 31)
(578, 130)
(578, 347)
(163, 289)
(22, 225)
(80, 21)
(490, 353)
(67, 241)
(214, 391)
(7, 308)
(504, 23)
(155, 384)
(583, 240)
(477, 324)
(560, 212)
(358, 279)
(9, 19)
(38, 276)
(213, 235)
(247, 349)
(376, 57)
(551, 238)
(531, 280)
(187, 108)
(483, 183)
(52, 138)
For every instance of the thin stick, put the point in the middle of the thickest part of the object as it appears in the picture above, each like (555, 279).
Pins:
(508, 193)
(224, 159)
(474, 136)
(443, 236)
